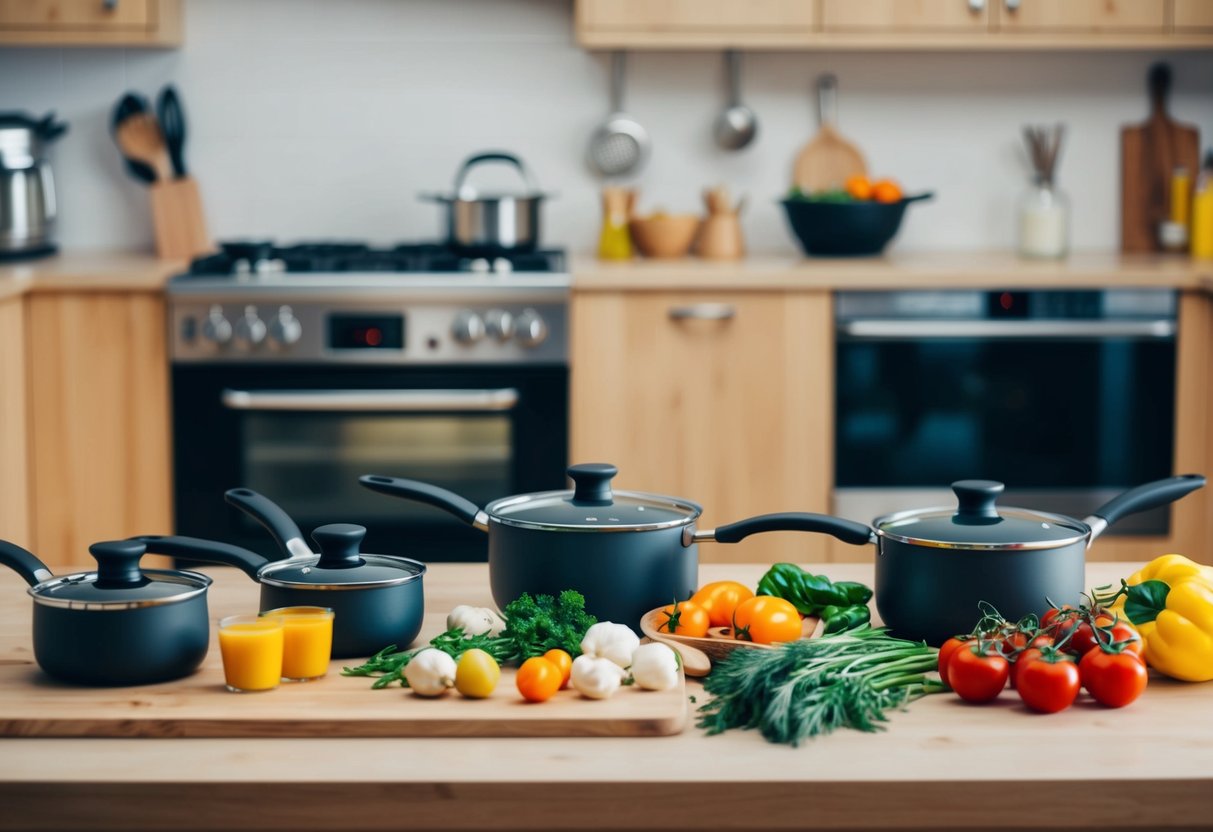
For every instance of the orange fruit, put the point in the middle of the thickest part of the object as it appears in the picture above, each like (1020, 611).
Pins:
(858, 187)
(886, 190)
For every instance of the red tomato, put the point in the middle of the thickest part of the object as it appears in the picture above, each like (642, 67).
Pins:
(1020, 661)
(1084, 636)
(1113, 679)
(977, 677)
(947, 650)
(1049, 685)
(1060, 622)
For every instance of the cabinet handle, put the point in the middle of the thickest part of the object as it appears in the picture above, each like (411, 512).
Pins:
(1012, 5)
(977, 6)
(704, 312)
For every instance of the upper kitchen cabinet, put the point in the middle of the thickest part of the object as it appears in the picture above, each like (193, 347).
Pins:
(693, 23)
(1083, 16)
(90, 22)
(905, 15)
(1193, 16)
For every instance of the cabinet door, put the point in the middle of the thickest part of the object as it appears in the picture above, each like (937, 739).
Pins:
(14, 464)
(98, 387)
(1082, 15)
(1193, 15)
(710, 15)
(905, 15)
(75, 14)
(722, 398)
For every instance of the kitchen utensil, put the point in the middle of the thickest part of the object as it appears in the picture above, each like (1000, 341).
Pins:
(178, 219)
(664, 235)
(619, 145)
(1044, 210)
(934, 565)
(129, 105)
(825, 163)
(376, 600)
(28, 206)
(172, 125)
(119, 625)
(488, 224)
(1149, 153)
(614, 240)
(737, 126)
(625, 551)
(139, 137)
(845, 229)
(720, 236)
(714, 647)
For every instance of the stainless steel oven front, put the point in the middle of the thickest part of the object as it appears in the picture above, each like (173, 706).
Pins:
(1066, 396)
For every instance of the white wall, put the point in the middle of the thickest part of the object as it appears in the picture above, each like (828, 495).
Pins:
(313, 118)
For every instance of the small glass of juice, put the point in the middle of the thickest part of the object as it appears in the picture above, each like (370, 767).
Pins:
(252, 648)
(308, 645)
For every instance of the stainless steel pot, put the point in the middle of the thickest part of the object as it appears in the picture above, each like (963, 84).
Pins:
(488, 224)
(27, 186)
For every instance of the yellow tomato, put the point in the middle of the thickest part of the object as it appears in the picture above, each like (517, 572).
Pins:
(886, 190)
(538, 679)
(563, 661)
(684, 619)
(766, 619)
(859, 187)
(720, 599)
(476, 674)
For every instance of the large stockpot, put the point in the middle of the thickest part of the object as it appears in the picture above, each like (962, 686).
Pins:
(487, 224)
(119, 625)
(625, 551)
(935, 565)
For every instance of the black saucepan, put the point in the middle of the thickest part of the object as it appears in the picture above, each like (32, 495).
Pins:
(119, 625)
(934, 565)
(376, 600)
(625, 551)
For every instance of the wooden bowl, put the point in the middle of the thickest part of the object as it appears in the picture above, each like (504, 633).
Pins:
(664, 235)
(718, 643)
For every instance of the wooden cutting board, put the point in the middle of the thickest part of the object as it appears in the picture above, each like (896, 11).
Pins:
(33, 705)
(1149, 154)
(828, 160)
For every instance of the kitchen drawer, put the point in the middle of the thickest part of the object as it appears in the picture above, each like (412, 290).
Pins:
(76, 14)
(1193, 15)
(905, 15)
(1081, 15)
(697, 15)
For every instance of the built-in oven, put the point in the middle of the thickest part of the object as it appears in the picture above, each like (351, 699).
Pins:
(1068, 397)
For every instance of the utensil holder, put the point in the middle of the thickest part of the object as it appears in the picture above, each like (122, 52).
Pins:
(178, 220)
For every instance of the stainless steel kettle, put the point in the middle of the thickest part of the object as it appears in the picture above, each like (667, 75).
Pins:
(27, 185)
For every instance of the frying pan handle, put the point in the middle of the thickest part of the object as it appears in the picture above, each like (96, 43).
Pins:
(1142, 498)
(204, 551)
(422, 492)
(271, 515)
(848, 531)
(24, 562)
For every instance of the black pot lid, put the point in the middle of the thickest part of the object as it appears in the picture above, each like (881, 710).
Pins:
(592, 506)
(119, 583)
(977, 523)
(340, 565)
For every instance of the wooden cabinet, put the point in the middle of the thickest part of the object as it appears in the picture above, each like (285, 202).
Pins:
(693, 22)
(14, 465)
(719, 397)
(91, 22)
(904, 15)
(1086, 16)
(1193, 15)
(98, 405)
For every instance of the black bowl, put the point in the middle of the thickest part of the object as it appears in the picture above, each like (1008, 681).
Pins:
(845, 229)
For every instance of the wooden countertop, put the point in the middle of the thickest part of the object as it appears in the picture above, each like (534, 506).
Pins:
(87, 271)
(926, 270)
(941, 764)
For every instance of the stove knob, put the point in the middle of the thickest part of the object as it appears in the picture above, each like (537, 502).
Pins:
(216, 328)
(249, 330)
(285, 329)
(499, 324)
(530, 330)
(468, 327)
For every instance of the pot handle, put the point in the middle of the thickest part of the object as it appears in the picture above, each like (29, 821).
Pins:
(422, 492)
(848, 531)
(204, 551)
(1142, 498)
(24, 562)
(493, 156)
(265, 511)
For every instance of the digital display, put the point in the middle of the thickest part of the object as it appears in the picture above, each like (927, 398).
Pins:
(1007, 304)
(366, 332)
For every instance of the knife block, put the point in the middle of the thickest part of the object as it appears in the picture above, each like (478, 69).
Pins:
(178, 219)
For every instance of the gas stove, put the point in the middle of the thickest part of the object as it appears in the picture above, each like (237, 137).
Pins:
(351, 303)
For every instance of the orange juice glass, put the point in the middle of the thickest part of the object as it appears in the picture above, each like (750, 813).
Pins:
(252, 649)
(308, 641)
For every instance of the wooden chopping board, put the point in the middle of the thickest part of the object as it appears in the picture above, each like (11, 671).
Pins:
(1149, 154)
(827, 160)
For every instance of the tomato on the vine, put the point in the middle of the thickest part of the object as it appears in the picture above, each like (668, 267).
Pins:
(1084, 635)
(684, 619)
(720, 599)
(765, 619)
(1114, 679)
(947, 650)
(1022, 660)
(1049, 684)
(977, 673)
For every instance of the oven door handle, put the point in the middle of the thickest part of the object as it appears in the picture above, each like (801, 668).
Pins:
(391, 401)
(884, 329)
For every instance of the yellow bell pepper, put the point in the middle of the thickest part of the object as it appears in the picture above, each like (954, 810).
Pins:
(1170, 601)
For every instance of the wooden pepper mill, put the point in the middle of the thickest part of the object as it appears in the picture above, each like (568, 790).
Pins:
(720, 235)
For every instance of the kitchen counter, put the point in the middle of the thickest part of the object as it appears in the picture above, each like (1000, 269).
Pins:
(924, 270)
(87, 271)
(942, 764)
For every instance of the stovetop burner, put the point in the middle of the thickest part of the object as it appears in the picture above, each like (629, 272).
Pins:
(243, 257)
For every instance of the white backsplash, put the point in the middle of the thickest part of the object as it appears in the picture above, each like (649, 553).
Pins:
(310, 118)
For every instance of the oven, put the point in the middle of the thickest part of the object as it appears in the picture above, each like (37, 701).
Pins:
(1068, 397)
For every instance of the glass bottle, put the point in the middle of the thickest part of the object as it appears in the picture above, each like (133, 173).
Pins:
(1044, 221)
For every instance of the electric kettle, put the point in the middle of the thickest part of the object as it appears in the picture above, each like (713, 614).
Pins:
(27, 186)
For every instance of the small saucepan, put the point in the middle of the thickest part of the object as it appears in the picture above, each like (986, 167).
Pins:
(376, 600)
(934, 565)
(120, 625)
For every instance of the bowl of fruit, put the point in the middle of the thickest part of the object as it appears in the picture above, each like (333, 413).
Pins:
(855, 220)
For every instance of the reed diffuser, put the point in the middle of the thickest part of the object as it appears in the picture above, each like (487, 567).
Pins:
(1044, 211)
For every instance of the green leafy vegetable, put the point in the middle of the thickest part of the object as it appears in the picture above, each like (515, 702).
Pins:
(835, 195)
(842, 605)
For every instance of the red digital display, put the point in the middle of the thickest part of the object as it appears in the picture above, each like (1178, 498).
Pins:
(366, 332)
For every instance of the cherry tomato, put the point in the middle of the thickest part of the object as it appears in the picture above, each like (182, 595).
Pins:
(1060, 622)
(1113, 679)
(1122, 631)
(946, 652)
(977, 676)
(720, 599)
(476, 674)
(765, 619)
(684, 618)
(564, 662)
(1049, 684)
(1084, 635)
(538, 679)
(1022, 660)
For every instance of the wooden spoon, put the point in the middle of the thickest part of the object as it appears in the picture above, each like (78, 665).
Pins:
(828, 159)
(140, 138)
